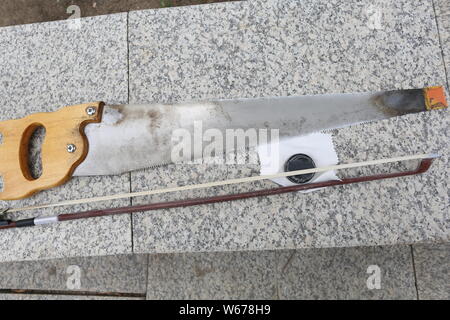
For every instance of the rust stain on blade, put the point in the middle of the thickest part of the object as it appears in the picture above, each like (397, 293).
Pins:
(125, 114)
(400, 102)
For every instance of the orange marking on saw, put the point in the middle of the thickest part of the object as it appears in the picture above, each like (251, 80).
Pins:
(435, 98)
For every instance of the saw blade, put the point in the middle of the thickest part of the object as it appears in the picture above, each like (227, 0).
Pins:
(132, 137)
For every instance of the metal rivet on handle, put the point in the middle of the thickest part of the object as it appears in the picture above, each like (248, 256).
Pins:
(71, 148)
(91, 111)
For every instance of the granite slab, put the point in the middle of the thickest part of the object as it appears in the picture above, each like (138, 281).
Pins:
(216, 275)
(349, 273)
(110, 274)
(47, 66)
(432, 264)
(272, 48)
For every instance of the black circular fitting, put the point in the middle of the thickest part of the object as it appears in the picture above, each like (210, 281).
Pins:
(299, 161)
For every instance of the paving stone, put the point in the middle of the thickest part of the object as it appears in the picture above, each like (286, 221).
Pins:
(120, 274)
(349, 273)
(47, 66)
(432, 262)
(219, 275)
(273, 48)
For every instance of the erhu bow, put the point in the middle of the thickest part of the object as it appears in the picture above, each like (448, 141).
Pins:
(425, 163)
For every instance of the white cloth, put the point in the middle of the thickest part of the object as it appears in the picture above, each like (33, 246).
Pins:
(318, 146)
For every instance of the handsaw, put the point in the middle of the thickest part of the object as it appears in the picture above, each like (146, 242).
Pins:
(98, 139)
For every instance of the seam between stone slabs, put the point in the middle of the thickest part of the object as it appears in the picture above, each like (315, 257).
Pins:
(282, 272)
(128, 101)
(414, 272)
(71, 293)
(128, 55)
(147, 284)
(440, 43)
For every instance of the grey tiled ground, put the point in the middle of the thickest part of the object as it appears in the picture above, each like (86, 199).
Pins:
(257, 48)
(120, 273)
(432, 262)
(47, 66)
(331, 273)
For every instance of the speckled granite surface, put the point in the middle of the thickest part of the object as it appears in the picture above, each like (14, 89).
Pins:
(262, 48)
(432, 262)
(328, 273)
(120, 273)
(47, 66)
(278, 47)
(442, 8)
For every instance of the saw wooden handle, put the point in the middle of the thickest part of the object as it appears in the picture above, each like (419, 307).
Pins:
(64, 148)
